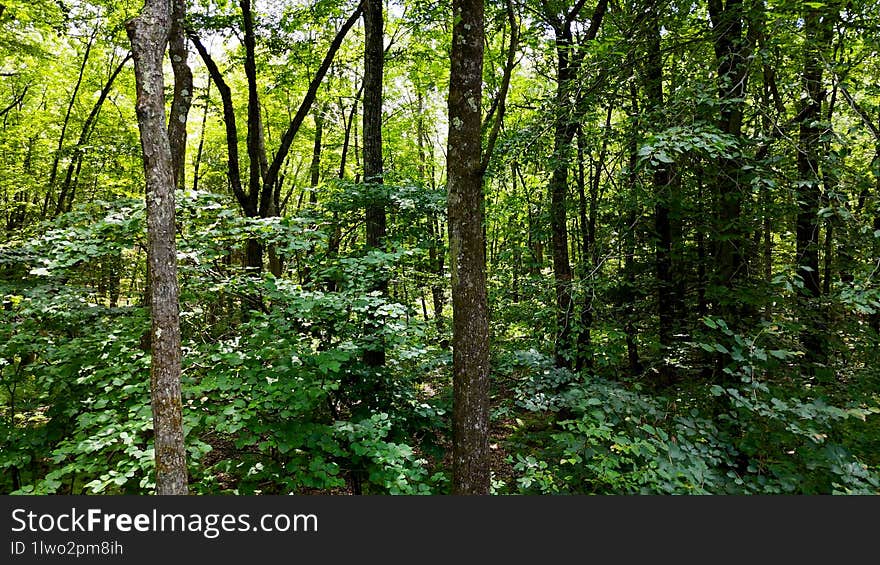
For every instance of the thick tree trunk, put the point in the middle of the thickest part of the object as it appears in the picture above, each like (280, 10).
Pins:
(256, 150)
(565, 127)
(732, 51)
(467, 251)
(374, 57)
(817, 28)
(255, 142)
(148, 33)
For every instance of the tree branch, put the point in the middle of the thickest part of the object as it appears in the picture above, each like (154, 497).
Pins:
(234, 173)
(303, 111)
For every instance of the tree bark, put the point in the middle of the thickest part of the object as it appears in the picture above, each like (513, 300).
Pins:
(148, 33)
(467, 252)
(183, 91)
(817, 27)
(374, 56)
(668, 306)
(732, 52)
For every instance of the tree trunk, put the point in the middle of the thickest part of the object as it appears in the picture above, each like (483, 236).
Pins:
(817, 27)
(317, 146)
(467, 251)
(68, 189)
(148, 33)
(197, 162)
(628, 294)
(664, 190)
(183, 92)
(565, 126)
(732, 51)
(374, 57)
(56, 158)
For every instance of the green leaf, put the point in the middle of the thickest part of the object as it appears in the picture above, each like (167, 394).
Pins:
(663, 157)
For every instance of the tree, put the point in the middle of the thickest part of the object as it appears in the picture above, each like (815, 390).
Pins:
(818, 27)
(264, 176)
(569, 59)
(669, 304)
(149, 33)
(467, 253)
(732, 50)
(374, 55)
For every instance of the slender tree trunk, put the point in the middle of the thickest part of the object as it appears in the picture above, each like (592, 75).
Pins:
(56, 159)
(628, 294)
(499, 104)
(183, 91)
(587, 216)
(702, 255)
(197, 162)
(317, 146)
(435, 239)
(664, 190)
(66, 194)
(874, 319)
(467, 251)
(233, 168)
(148, 33)
(347, 125)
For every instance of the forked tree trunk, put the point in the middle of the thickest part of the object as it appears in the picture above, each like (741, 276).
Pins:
(148, 33)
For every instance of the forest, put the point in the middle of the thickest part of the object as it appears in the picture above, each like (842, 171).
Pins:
(412, 247)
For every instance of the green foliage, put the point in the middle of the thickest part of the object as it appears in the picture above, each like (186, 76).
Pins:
(270, 400)
(277, 398)
(608, 439)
